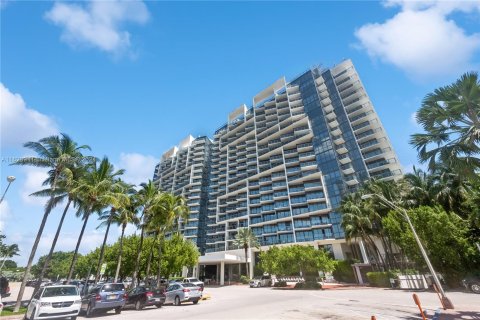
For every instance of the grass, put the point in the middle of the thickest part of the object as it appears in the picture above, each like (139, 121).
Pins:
(8, 311)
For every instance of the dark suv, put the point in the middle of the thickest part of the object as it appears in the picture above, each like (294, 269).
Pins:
(4, 287)
(472, 283)
(104, 297)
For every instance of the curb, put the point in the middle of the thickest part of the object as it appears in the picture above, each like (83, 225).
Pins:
(206, 296)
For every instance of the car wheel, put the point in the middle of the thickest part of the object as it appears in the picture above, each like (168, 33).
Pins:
(475, 287)
(118, 310)
(177, 301)
(158, 305)
(89, 311)
(195, 301)
(138, 305)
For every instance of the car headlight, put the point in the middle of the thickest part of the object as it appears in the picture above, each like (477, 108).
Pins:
(45, 304)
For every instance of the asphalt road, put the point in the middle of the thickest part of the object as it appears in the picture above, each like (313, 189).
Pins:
(242, 302)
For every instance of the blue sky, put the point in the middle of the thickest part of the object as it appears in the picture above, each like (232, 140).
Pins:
(131, 79)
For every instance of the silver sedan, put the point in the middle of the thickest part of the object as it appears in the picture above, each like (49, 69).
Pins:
(177, 293)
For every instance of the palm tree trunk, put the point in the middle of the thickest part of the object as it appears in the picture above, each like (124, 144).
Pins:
(18, 303)
(246, 260)
(102, 251)
(137, 263)
(52, 248)
(149, 262)
(75, 254)
(376, 249)
(119, 262)
(159, 272)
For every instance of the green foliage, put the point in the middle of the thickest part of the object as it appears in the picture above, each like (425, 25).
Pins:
(344, 272)
(10, 264)
(294, 259)
(244, 279)
(176, 253)
(310, 285)
(444, 236)
(58, 266)
(380, 279)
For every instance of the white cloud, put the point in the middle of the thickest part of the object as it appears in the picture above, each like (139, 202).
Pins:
(99, 23)
(138, 167)
(34, 178)
(19, 123)
(4, 214)
(422, 39)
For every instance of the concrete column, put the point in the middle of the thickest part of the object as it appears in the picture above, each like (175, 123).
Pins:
(252, 263)
(363, 252)
(337, 251)
(222, 273)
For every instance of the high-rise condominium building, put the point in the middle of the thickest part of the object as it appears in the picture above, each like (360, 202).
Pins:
(280, 167)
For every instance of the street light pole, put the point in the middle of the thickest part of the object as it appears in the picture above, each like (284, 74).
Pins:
(10, 179)
(447, 304)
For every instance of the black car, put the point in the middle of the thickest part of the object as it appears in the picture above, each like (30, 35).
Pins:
(4, 287)
(472, 283)
(142, 296)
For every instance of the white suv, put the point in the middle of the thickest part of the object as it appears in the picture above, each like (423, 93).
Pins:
(54, 302)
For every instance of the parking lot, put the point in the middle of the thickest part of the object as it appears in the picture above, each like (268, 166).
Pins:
(242, 302)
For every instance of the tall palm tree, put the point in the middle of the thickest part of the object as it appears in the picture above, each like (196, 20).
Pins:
(54, 153)
(120, 196)
(148, 198)
(246, 239)
(450, 117)
(66, 182)
(95, 192)
(8, 251)
(168, 210)
(123, 217)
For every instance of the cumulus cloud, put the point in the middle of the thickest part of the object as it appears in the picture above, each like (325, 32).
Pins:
(98, 24)
(32, 182)
(138, 167)
(422, 39)
(4, 214)
(19, 123)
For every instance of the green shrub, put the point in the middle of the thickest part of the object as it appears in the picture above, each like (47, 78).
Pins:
(380, 279)
(308, 285)
(244, 279)
(344, 271)
(280, 284)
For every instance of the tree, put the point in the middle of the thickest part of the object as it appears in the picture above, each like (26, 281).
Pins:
(57, 268)
(171, 208)
(95, 191)
(8, 251)
(177, 252)
(123, 217)
(296, 259)
(54, 153)
(246, 239)
(119, 199)
(444, 236)
(450, 117)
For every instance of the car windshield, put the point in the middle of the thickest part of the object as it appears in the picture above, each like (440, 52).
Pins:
(59, 291)
(113, 287)
(193, 279)
(188, 285)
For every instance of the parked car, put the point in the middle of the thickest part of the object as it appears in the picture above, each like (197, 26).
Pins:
(104, 297)
(472, 283)
(263, 281)
(54, 302)
(177, 293)
(1, 305)
(142, 296)
(4, 287)
(195, 281)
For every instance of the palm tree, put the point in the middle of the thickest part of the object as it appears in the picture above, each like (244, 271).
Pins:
(123, 217)
(148, 198)
(169, 209)
(450, 117)
(69, 177)
(121, 198)
(246, 239)
(55, 153)
(95, 192)
(8, 251)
